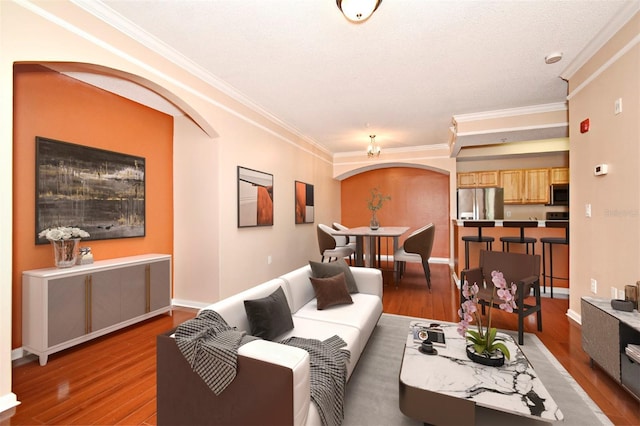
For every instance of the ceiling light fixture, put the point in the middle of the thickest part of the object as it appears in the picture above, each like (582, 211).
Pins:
(552, 58)
(373, 150)
(358, 10)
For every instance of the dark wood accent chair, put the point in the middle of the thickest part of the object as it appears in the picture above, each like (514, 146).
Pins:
(521, 269)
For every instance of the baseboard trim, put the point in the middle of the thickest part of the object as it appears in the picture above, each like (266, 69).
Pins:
(574, 316)
(8, 404)
(17, 354)
(189, 304)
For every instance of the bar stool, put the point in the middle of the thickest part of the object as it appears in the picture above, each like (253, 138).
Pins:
(521, 239)
(476, 238)
(551, 241)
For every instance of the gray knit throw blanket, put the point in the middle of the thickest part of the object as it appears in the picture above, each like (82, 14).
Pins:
(210, 346)
(328, 375)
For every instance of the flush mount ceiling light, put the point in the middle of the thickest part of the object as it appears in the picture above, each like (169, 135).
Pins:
(373, 150)
(552, 58)
(358, 10)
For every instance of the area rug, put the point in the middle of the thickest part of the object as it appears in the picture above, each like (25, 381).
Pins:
(372, 392)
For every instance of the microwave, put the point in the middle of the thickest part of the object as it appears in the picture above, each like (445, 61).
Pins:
(559, 195)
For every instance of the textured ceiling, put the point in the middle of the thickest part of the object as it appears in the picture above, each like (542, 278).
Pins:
(401, 75)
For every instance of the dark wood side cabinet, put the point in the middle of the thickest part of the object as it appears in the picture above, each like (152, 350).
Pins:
(606, 332)
(64, 307)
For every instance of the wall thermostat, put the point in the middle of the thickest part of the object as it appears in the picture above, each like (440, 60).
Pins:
(600, 169)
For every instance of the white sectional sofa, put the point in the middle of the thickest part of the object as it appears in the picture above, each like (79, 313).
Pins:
(272, 384)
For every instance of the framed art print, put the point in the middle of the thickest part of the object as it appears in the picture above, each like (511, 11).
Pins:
(102, 192)
(304, 208)
(255, 198)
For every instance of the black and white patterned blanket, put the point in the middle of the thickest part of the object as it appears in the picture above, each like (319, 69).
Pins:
(328, 375)
(210, 346)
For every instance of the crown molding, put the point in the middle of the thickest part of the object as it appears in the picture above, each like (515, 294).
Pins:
(511, 112)
(624, 15)
(120, 23)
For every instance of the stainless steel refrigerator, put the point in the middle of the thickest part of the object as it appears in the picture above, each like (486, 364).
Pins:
(480, 203)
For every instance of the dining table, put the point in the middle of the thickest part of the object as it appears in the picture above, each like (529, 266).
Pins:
(366, 241)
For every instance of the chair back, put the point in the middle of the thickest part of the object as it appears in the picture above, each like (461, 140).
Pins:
(421, 241)
(514, 266)
(340, 227)
(325, 239)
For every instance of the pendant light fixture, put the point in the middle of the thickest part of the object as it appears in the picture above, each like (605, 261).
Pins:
(373, 150)
(358, 10)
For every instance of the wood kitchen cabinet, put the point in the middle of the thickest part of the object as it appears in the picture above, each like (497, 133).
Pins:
(525, 186)
(559, 175)
(511, 182)
(64, 307)
(484, 179)
(536, 186)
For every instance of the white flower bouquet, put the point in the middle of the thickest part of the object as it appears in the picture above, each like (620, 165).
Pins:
(63, 233)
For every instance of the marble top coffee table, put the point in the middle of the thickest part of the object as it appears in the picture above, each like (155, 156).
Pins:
(445, 388)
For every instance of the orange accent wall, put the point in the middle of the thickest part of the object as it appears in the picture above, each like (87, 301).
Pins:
(55, 106)
(418, 197)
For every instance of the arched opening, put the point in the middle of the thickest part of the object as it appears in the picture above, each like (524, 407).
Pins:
(419, 195)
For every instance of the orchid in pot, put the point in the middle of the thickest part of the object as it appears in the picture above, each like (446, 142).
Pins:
(64, 240)
(483, 341)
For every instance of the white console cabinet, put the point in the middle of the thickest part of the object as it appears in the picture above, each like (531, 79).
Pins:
(64, 307)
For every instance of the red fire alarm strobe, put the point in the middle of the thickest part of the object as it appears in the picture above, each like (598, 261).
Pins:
(584, 126)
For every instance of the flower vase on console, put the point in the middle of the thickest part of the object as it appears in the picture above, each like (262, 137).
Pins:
(64, 240)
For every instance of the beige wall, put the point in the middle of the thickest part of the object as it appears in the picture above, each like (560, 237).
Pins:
(606, 246)
(213, 258)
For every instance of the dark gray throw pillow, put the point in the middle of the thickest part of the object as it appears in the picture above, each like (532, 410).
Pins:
(331, 269)
(270, 316)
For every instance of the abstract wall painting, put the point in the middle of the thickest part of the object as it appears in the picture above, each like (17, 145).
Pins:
(99, 191)
(255, 198)
(304, 209)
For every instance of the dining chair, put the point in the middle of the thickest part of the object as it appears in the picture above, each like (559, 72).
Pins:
(350, 240)
(416, 249)
(521, 269)
(332, 246)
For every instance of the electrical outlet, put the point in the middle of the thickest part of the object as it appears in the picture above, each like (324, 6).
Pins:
(587, 210)
(594, 286)
(614, 293)
(269, 260)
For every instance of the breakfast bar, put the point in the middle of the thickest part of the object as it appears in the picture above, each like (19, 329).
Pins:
(560, 253)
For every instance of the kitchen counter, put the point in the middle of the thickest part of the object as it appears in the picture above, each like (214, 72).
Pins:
(560, 252)
(500, 222)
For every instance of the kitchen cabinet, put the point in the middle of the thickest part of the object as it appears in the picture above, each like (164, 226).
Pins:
(559, 175)
(536, 186)
(64, 307)
(511, 182)
(483, 179)
(605, 336)
(525, 186)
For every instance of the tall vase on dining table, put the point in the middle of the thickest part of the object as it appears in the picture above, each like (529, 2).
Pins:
(374, 224)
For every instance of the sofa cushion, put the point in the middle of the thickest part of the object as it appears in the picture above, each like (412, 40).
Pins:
(269, 316)
(326, 270)
(321, 330)
(363, 314)
(331, 291)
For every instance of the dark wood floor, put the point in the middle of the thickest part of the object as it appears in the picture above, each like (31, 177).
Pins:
(111, 380)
